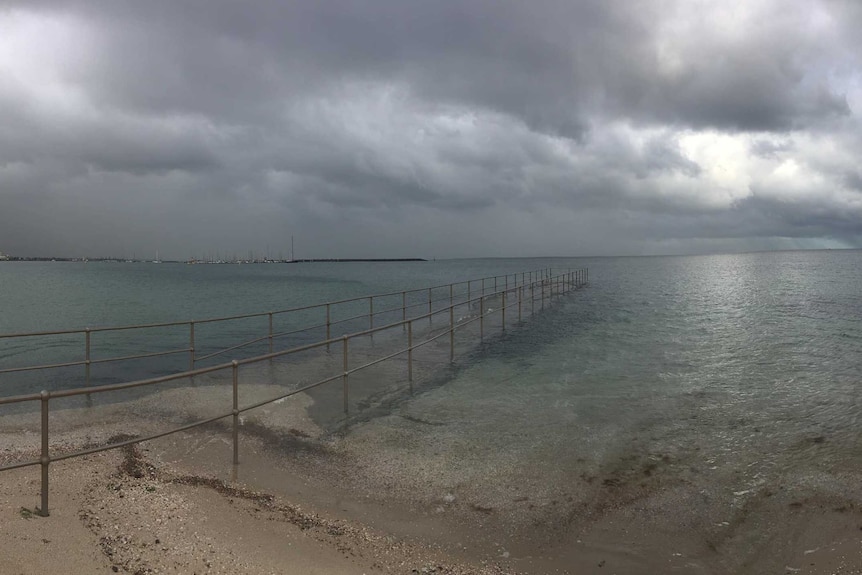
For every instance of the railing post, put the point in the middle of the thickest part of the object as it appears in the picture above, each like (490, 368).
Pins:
(430, 314)
(344, 375)
(520, 292)
(483, 286)
(410, 354)
(235, 369)
(503, 311)
(45, 459)
(404, 308)
(371, 313)
(191, 345)
(451, 294)
(482, 316)
(451, 331)
(327, 326)
(270, 332)
(532, 296)
(87, 357)
(543, 292)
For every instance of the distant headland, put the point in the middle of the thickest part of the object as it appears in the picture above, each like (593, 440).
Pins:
(9, 258)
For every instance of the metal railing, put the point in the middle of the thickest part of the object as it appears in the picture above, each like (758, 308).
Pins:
(541, 287)
(327, 323)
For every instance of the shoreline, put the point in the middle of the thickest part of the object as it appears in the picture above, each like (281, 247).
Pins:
(116, 511)
(381, 478)
(136, 510)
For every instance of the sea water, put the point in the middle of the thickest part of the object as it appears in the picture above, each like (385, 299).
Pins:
(58, 296)
(775, 335)
(731, 374)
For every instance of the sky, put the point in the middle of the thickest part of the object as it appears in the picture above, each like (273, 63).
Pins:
(428, 128)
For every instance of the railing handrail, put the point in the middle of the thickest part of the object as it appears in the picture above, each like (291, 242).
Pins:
(246, 361)
(249, 315)
(572, 279)
(88, 361)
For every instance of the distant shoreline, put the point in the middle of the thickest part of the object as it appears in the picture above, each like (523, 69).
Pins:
(265, 261)
(357, 260)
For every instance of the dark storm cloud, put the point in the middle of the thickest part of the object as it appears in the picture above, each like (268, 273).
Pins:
(770, 149)
(745, 92)
(553, 64)
(853, 180)
(240, 124)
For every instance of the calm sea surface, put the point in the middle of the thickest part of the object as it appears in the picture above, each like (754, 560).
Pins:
(776, 332)
(732, 371)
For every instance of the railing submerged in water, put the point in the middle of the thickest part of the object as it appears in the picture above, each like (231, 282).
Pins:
(540, 284)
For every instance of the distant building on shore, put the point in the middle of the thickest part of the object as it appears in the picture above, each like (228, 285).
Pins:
(3, 257)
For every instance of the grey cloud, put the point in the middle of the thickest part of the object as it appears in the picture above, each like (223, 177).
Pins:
(274, 117)
(741, 95)
(766, 148)
(763, 216)
(663, 155)
(853, 180)
(554, 64)
(804, 218)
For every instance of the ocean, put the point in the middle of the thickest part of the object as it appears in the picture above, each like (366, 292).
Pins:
(691, 388)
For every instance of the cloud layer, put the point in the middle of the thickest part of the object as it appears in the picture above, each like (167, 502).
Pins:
(437, 129)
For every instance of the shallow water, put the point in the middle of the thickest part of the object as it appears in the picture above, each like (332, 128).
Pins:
(767, 341)
(693, 387)
(702, 398)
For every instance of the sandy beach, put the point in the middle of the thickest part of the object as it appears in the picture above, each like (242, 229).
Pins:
(376, 499)
(118, 512)
(174, 505)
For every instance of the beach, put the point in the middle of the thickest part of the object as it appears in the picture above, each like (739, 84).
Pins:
(128, 511)
(302, 502)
